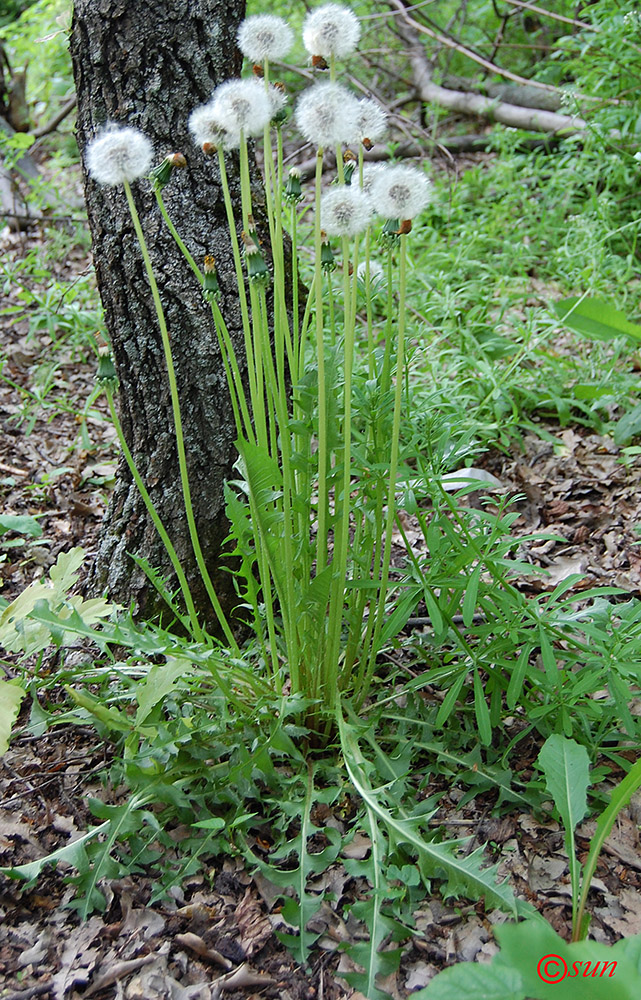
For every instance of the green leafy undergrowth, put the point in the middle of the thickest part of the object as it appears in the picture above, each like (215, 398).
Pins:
(535, 963)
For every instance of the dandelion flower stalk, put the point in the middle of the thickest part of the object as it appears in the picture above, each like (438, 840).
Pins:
(180, 444)
(155, 517)
(369, 664)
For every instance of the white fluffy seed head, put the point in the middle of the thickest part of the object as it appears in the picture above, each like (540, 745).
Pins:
(345, 211)
(400, 192)
(119, 154)
(277, 100)
(205, 126)
(326, 114)
(265, 36)
(375, 272)
(331, 30)
(242, 105)
(371, 121)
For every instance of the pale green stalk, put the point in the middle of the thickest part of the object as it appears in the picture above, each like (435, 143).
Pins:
(341, 533)
(240, 275)
(180, 445)
(393, 471)
(155, 517)
(323, 464)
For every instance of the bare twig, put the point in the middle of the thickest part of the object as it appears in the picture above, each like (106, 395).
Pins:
(53, 123)
(452, 43)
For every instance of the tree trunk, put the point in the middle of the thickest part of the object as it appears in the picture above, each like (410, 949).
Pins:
(148, 64)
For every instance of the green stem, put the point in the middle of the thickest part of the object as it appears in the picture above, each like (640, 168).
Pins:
(178, 429)
(393, 471)
(155, 517)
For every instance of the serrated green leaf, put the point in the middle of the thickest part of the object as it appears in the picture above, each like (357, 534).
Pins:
(464, 874)
(74, 854)
(158, 683)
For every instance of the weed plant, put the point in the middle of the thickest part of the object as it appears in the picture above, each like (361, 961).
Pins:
(348, 424)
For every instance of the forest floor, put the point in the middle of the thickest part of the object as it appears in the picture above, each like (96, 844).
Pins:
(216, 933)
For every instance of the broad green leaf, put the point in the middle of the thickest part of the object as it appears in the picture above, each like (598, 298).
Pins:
(596, 318)
(11, 695)
(566, 766)
(628, 427)
(537, 952)
(23, 524)
(478, 982)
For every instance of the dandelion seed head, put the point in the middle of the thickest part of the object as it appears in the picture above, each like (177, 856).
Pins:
(242, 105)
(375, 271)
(326, 114)
(119, 154)
(331, 30)
(345, 211)
(265, 36)
(205, 127)
(371, 121)
(400, 192)
(277, 100)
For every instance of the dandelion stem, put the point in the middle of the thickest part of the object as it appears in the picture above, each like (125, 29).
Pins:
(180, 444)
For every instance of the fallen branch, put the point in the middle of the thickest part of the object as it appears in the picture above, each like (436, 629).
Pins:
(513, 115)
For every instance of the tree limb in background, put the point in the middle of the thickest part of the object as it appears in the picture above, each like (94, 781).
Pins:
(452, 43)
(532, 119)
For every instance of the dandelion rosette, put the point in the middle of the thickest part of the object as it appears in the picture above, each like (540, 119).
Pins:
(326, 114)
(331, 30)
(400, 192)
(118, 155)
(265, 36)
(345, 211)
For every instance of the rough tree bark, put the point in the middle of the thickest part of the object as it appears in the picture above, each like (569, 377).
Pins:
(148, 64)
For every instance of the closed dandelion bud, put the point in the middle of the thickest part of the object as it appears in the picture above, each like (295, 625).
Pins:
(390, 234)
(328, 261)
(211, 288)
(106, 374)
(293, 192)
(161, 174)
(331, 30)
(257, 269)
(278, 103)
(350, 165)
